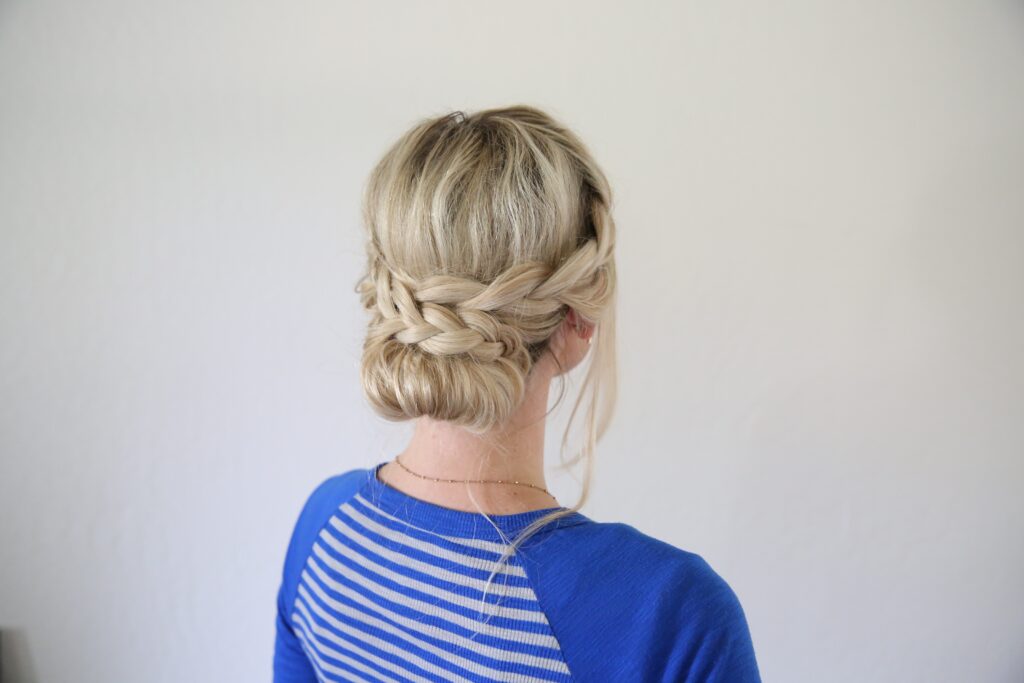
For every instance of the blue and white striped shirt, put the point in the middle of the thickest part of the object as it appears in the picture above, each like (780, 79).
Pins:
(380, 586)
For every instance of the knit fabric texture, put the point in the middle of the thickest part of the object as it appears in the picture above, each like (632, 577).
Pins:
(380, 586)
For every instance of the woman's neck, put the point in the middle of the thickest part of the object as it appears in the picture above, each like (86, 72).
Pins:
(512, 452)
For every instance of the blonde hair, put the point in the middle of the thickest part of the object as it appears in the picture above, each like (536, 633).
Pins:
(484, 229)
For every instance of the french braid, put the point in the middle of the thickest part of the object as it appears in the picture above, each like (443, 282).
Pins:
(447, 315)
(502, 322)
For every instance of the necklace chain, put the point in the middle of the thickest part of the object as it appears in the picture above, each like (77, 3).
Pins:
(470, 481)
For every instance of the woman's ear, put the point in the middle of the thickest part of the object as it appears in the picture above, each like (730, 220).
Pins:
(583, 329)
(569, 344)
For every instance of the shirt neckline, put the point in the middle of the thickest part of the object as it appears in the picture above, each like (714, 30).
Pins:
(437, 518)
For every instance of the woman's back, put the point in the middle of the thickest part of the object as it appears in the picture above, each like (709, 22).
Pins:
(381, 586)
(491, 275)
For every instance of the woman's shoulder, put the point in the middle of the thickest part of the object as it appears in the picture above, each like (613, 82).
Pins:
(333, 491)
(318, 507)
(615, 589)
(620, 554)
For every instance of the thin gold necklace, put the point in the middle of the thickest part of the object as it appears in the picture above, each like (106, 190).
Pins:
(471, 481)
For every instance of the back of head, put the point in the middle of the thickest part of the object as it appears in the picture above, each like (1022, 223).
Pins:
(484, 230)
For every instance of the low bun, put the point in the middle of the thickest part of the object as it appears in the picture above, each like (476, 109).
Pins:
(403, 382)
(459, 350)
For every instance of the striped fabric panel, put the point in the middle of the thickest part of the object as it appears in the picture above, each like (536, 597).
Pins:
(383, 600)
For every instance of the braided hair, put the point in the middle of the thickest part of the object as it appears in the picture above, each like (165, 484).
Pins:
(484, 231)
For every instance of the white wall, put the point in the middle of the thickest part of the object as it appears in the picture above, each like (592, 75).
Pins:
(821, 216)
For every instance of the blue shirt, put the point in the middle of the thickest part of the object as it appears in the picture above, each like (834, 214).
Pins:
(380, 586)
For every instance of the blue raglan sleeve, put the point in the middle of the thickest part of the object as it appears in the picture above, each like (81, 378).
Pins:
(714, 644)
(290, 662)
(629, 608)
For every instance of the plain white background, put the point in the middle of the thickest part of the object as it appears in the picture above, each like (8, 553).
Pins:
(821, 239)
